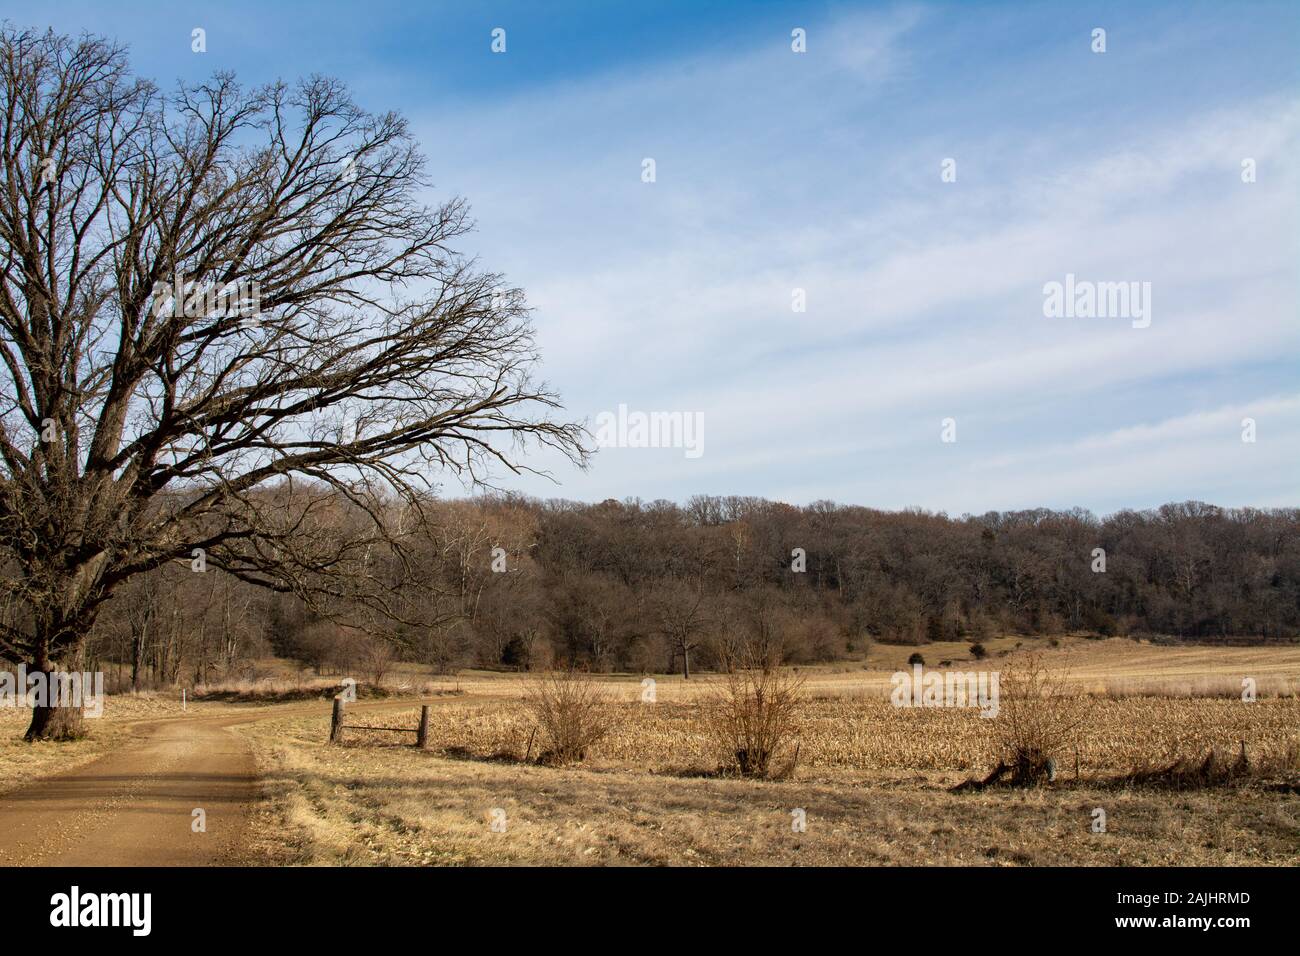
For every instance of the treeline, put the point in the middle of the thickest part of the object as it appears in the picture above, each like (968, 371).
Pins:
(635, 586)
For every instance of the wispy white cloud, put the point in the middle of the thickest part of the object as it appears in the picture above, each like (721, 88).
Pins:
(778, 171)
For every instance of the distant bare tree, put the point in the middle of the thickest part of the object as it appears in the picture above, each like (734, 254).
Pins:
(442, 647)
(144, 609)
(682, 616)
(223, 311)
(375, 658)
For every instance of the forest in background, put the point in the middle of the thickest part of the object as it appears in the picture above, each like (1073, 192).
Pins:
(638, 586)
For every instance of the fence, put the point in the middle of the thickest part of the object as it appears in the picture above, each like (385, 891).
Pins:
(337, 726)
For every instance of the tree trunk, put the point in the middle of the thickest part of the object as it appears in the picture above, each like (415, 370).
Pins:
(56, 723)
(137, 660)
(49, 721)
(686, 663)
(60, 638)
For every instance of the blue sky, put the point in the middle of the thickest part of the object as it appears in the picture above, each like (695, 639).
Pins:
(821, 171)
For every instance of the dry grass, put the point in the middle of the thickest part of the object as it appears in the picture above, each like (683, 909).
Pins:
(396, 805)
(1219, 767)
(873, 779)
(280, 691)
(872, 736)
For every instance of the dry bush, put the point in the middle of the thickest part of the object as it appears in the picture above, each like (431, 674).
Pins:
(279, 691)
(1220, 767)
(752, 713)
(1036, 720)
(573, 711)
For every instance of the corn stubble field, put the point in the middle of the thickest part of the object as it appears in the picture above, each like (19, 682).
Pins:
(875, 781)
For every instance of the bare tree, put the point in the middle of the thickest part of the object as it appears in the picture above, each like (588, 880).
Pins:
(375, 658)
(442, 647)
(223, 311)
(143, 613)
(682, 616)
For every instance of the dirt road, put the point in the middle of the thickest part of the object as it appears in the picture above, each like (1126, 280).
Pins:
(135, 806)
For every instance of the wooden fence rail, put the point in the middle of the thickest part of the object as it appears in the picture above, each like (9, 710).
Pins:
(337, 726)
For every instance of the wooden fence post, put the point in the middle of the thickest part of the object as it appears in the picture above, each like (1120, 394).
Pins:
(422, 735)
(336, 722)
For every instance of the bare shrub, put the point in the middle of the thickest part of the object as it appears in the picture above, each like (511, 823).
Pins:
(573, 712)
(1036, 719)
(751, 714)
